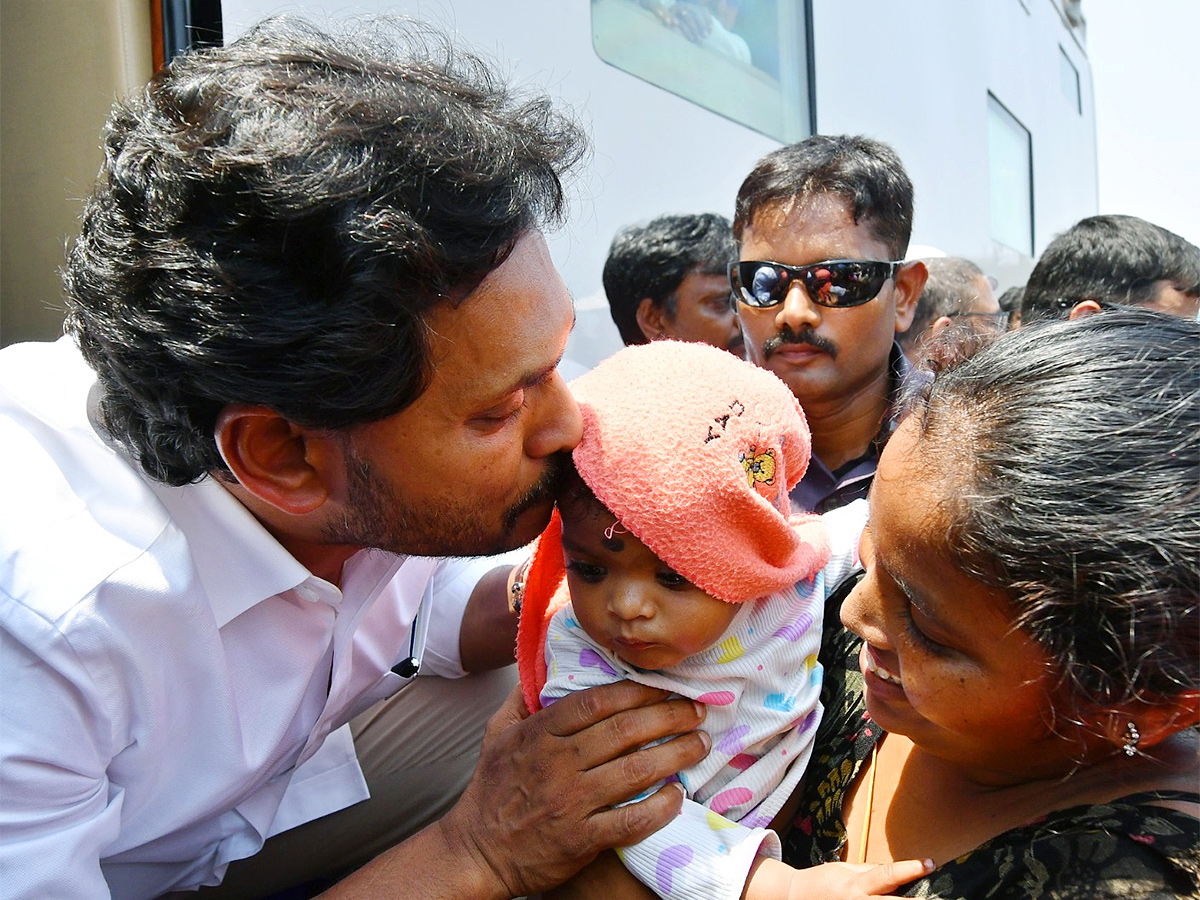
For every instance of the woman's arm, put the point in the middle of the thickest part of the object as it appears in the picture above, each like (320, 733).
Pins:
(605, 878)
(772, 880)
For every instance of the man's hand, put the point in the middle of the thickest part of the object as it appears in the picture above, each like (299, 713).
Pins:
(539, 805)
(691, 20)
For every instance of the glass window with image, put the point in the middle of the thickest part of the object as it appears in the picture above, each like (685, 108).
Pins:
(747, 60)
(1010, 178)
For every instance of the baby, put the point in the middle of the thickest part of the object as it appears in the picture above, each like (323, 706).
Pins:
(674, 561)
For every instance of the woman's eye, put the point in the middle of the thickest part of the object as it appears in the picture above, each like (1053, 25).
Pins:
(586, 571)
(919, 637)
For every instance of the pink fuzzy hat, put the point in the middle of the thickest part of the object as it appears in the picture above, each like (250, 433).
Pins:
(694, 451)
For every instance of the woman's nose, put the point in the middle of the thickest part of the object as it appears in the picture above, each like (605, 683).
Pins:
(860, 612)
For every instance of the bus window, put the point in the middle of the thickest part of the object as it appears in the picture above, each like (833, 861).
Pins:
(747, 61)
(1010, 178)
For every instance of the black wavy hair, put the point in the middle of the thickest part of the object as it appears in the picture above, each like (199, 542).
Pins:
(865, 173)
(652, 260)
(1116, 260)
(274, 218)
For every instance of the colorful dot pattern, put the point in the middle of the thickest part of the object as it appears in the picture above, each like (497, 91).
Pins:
(760, 683)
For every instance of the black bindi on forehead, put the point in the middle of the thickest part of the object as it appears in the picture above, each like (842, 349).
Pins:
(609, 538)
(579, 505)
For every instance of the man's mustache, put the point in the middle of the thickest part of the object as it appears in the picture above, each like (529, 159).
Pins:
(805, 336)
(547, 487)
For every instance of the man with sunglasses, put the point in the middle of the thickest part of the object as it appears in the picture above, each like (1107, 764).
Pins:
(821, 291)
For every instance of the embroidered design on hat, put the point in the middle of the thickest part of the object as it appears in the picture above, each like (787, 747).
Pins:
(736, 409)
(760, 470)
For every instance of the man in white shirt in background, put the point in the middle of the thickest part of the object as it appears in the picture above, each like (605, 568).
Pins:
(313, 331)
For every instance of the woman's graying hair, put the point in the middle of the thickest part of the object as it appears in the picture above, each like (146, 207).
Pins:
(1079, 447)
(274, 219)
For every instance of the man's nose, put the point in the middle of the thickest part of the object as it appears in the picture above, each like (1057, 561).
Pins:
(559, 424)
(797, 310)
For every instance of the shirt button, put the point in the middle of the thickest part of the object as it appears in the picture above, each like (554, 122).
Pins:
(304, 592)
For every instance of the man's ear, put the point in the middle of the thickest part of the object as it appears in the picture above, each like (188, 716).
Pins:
(274, 459)
(652, 319)
(910, 282)
(941, 323)
(1084, 308)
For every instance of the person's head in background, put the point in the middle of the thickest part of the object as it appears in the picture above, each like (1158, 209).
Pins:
(668, 279)
(957, 295)
(1112, 260)
(1009, 302)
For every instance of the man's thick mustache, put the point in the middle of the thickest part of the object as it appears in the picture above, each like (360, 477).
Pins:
(545, 488)
(807, 336)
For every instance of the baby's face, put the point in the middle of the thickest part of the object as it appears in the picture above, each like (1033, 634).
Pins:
(627, 599)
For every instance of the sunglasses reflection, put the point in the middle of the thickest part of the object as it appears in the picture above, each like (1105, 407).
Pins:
(836, 283)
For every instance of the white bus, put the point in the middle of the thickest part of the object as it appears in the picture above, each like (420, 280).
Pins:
(988, 102)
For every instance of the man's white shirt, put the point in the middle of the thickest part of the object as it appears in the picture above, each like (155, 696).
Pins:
(174, 686)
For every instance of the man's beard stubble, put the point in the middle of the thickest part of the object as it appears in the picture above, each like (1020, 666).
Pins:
(376, 517)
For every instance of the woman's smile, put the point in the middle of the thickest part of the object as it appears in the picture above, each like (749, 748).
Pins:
(871, 666)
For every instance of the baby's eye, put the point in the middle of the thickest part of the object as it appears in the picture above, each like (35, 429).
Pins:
(671, 579)
(586, 571)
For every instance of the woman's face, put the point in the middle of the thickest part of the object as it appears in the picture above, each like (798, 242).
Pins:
(941, 660)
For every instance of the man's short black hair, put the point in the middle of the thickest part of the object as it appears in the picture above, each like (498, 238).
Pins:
(652, 260)
(274, 219)
(865, 173)
(1010, 299)
(950, 288)
(1117, 260)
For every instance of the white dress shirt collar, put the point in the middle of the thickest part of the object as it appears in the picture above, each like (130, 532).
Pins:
(216, 521)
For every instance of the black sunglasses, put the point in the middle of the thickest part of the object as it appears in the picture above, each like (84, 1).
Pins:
(836, 283)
